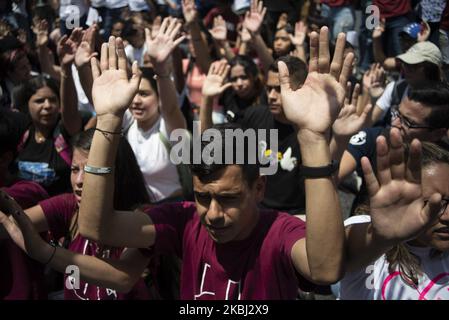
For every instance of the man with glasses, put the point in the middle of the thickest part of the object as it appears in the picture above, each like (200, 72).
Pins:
(423, 114)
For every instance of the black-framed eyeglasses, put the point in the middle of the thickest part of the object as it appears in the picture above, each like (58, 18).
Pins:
(405, 121)
(444, 202)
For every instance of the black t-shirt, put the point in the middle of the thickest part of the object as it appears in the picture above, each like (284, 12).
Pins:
(285, 188)
(233, 106)
(42, 163)
(363, 144)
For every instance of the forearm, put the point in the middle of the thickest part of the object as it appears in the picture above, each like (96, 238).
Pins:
(203, 59)
(85, 75)
(96, 209)
(177, 69)
(228, 53)
(170, 110)
(301, 53)
(71, 118)
(262, 52)
(47, 66)
(325, 232)
(378, 51)
(206, 112)
(243, 48)
(106, 273)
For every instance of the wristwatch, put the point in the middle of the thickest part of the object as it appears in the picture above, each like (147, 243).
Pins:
(319, 172)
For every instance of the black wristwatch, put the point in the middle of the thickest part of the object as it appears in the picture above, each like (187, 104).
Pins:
(319, 172)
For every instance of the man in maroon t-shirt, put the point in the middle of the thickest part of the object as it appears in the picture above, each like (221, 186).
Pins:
(230, 248)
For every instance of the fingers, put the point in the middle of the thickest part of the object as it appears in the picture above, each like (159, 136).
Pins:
(104, 65)
(112, 59)
(313, 61)
(396, 155)
(122, 62)
(95, 68)
(413, 170)
(284, 77)
(383, 161)
(372, 184)
(348, 93)
(136, 76)
(147, 35)
(337, 61)
(164, 25)
(347, 68)
(324, 55)
(355, 95)
(175, 30)
(179, 40)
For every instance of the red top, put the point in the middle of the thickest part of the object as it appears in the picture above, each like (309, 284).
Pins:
(336, 3)
(389, 8)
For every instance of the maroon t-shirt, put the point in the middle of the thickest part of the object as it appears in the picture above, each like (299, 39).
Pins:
(59, 211)
(21, 278)
(336, 3)
(259, 267)
(389, 8)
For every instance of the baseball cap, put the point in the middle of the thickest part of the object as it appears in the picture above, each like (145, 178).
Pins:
(412, 29)
(422, 52)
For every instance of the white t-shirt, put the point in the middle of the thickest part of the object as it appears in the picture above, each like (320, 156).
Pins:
(136, 54)
(115, 4)
(138, 5)
(160, 174)
(376, 283)
(70, 7)
(385, 100)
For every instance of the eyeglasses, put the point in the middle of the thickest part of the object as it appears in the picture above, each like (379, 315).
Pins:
(409, 124)
(444, 202)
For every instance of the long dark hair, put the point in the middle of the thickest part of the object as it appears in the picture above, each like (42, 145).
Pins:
(251, 70)
(23, 93)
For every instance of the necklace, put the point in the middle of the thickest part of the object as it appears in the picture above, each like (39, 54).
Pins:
(40, 138)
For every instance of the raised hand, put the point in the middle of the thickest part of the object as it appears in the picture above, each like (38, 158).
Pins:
(349, 122)
(21, 229)
(282, 21)
(315, 106)
(380, 29)
(67, 47)
(85, 50)
(112, 91)
(374, 80)
(300, 34)
(425, 32)
(189, 11)
(213, 84)
(219, 31)
(156, 26)
(160, 48)
(254, 16)
(41, 32)
(398, 211)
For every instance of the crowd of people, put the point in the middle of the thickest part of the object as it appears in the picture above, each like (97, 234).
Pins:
(93, 92)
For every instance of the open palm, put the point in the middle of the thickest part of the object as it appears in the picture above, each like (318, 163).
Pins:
(316, 105)
(213, 84)
(112, 92)
(161, 46)
(254, 17)
(348, 121)
(398, 212)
